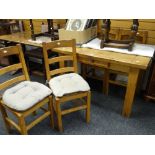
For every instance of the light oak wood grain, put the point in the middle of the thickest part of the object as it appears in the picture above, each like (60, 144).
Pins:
(50, 73)
(22, 127)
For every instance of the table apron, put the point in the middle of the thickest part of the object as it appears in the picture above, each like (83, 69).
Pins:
(103, 64)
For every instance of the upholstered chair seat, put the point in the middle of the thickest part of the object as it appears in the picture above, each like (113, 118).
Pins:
(25, 95)
(68, 83)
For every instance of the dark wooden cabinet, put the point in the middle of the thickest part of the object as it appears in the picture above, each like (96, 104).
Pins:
(150, 90)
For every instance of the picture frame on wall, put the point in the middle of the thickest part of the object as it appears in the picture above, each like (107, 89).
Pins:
(76, 24)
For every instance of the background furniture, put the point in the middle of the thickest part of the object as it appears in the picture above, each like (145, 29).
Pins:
(8, 26)
(66, 87)
(51, 31)
(34, 56)
(144, 25)
(22, 110)
(125, 44)
(150, 90)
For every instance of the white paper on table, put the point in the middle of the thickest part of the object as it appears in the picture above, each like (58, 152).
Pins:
(138, 49)
(40, 40)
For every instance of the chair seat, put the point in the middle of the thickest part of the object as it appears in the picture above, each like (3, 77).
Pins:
(68, 83)
(25, 95)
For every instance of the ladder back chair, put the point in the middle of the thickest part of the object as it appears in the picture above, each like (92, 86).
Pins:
(121, 78)
(67, 85)
(23, 97)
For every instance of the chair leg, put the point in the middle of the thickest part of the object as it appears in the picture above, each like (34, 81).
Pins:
(44, 70)
(28, 65)
(22, 125)
(84, 70)
(4, 115)
(50, 107)
(59, 116)
(88, 107)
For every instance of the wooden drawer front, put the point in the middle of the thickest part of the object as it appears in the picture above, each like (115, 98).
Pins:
(120, 68)
(94, 62)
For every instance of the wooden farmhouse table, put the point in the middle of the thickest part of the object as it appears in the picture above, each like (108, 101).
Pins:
(108, 60)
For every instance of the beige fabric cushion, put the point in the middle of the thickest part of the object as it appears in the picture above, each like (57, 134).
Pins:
(68, 83)
(25, 94)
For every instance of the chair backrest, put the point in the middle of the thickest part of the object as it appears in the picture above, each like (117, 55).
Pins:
(141, 36)
(9, 51)
(60, 59)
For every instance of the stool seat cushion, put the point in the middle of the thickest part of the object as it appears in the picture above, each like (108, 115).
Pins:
(24, 95)
(68, 83)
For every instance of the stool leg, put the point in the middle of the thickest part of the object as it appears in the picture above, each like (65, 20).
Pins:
(4, 115)
(50, 106)
(59, 116)
(88, 107)
(22, 125)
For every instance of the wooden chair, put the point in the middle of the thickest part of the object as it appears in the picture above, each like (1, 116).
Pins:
(120, 78)
(25, 97)
(68, 86)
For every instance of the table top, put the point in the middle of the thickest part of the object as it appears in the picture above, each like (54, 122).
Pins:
(136, 61)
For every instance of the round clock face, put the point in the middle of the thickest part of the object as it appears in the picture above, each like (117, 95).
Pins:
(76, 25)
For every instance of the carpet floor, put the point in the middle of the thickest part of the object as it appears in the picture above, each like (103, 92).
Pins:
(106, 118)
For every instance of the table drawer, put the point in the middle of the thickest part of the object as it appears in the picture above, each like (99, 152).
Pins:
(94, 62)
(120, 68)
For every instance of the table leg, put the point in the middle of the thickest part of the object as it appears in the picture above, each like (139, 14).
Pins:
(130, 92)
